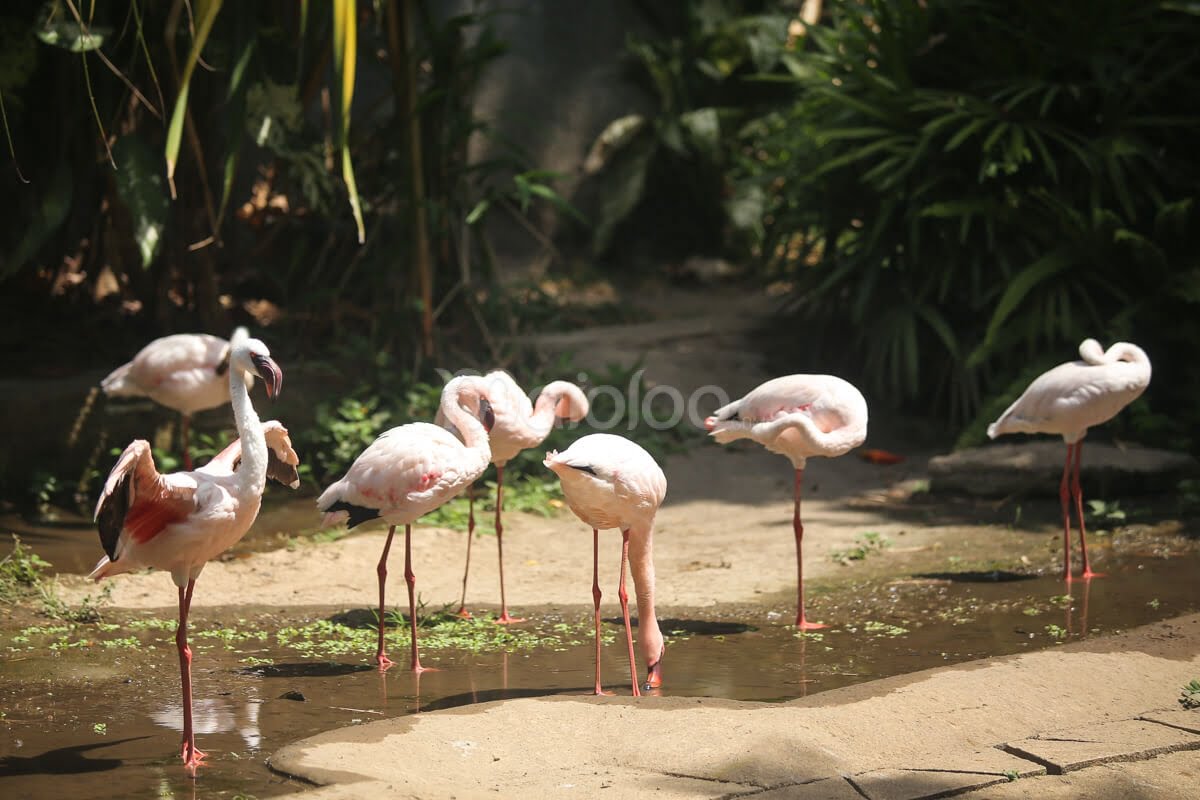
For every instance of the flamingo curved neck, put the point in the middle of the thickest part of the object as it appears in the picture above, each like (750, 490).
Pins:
(641, 565)
(474, 435)
(1129, 353)
(252, 472)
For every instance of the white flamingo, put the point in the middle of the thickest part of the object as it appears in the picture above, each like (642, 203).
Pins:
(798, 416)
(1068, 400)
(182, 520)
(409, 471)
(520, 425)
(611, 482)
(184, 372)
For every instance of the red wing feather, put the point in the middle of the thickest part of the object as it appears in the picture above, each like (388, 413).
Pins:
(146, 520)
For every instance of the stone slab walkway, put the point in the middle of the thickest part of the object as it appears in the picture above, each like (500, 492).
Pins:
(973, 727)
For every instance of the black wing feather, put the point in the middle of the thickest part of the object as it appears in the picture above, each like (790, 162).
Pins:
(110, 519)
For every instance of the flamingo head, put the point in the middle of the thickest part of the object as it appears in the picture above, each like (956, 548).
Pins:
(654, 673)
(487, 415)
(252, 356)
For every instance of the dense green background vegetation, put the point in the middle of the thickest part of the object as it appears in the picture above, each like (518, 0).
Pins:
(953, 194)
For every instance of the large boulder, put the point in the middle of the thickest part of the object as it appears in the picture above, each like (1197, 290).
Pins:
(1036, 466)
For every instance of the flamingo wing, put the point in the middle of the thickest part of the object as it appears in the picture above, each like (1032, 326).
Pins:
(139, 502)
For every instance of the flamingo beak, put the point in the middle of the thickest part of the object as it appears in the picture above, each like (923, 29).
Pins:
(270, 373)
(710, 423)
(654, 674)
(486, 415)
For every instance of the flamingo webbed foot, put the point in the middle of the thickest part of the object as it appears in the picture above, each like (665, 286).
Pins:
(384, 662)
(505, 619)
(805, 625)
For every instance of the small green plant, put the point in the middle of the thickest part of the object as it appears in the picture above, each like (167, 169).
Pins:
(1155, 603)
(1189, 697)
(1011, 775)
(866, 544)
(810, 636)
(44, 488)
(100, 728)
(20, 572)
(874, 626)
(1056, 632)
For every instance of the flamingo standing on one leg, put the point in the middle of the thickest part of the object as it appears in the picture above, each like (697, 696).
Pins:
(1068, 400)
(520, 425)
(182, 520)
(798, 416)
(184, 372)
(610, 482)
(408, 472)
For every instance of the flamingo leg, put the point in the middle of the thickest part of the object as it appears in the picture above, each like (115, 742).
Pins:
(185, 426)
(802, 622)
(624, 596)
(462, 604)
(188, 752)
(1064, 496)
(1077, 490)
(596, 594)
(504, 618)
(411, 580)
(380, 654)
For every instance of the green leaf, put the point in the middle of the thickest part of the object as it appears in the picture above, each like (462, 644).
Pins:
(704, 129)
(345, 58)
(48, 215)
(141, 187)
(1046, 267)
(206, 14)
(70, 35)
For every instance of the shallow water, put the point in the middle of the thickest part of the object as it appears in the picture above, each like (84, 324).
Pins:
(53, 701)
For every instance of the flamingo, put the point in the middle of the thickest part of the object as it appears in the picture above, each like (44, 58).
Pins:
(182, 520)
(1069, 399)
(184, 372)
(520, 424)
(611, 482)
(798, 416)
(409, 471)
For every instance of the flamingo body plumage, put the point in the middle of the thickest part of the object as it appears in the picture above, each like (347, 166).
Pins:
(611, 482)
(797, 416)
(1068, 400)
(179, 521)
(520, 424)
(409, 471)
(185, 372)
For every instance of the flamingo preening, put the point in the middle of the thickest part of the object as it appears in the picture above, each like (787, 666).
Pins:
(1069, 399)
(798, 416)
(409, 471)
(611, 482)
(184, 372)
(520, 425)
(182, 520)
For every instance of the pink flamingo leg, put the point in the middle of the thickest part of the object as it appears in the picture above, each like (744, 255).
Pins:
(188, 752)
(462, 604)
(798, 528)
(380, 654)
(624, 596)
(1064, 496)
(411, 579)
(185, 426)
(1078, 492)
(596, 594)
(504, 618)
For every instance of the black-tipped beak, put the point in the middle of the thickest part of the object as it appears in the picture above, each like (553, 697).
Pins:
(654, 674)
(270, 373)
(486, 415)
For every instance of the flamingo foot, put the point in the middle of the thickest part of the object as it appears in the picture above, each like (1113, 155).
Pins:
(1088, 575)
(462, 613)
(384, 662)
(417, 669)
(804, 625)
(505, 619)
(602, 693)
(191, 756)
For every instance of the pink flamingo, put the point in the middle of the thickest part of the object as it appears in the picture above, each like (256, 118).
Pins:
(184, 372)
(182, 520)
(610, 482)
(520, 425)
(1068, 400)
(798, 416)
(408, 472)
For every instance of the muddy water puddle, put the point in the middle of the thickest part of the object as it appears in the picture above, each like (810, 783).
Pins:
(93, 710)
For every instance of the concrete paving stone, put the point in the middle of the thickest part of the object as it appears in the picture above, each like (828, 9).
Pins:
(827, 789)
(1176, 718)
(953, 774)
(1127, 740)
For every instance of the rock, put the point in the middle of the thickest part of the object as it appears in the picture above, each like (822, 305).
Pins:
(1036, 466)
(293, 694)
